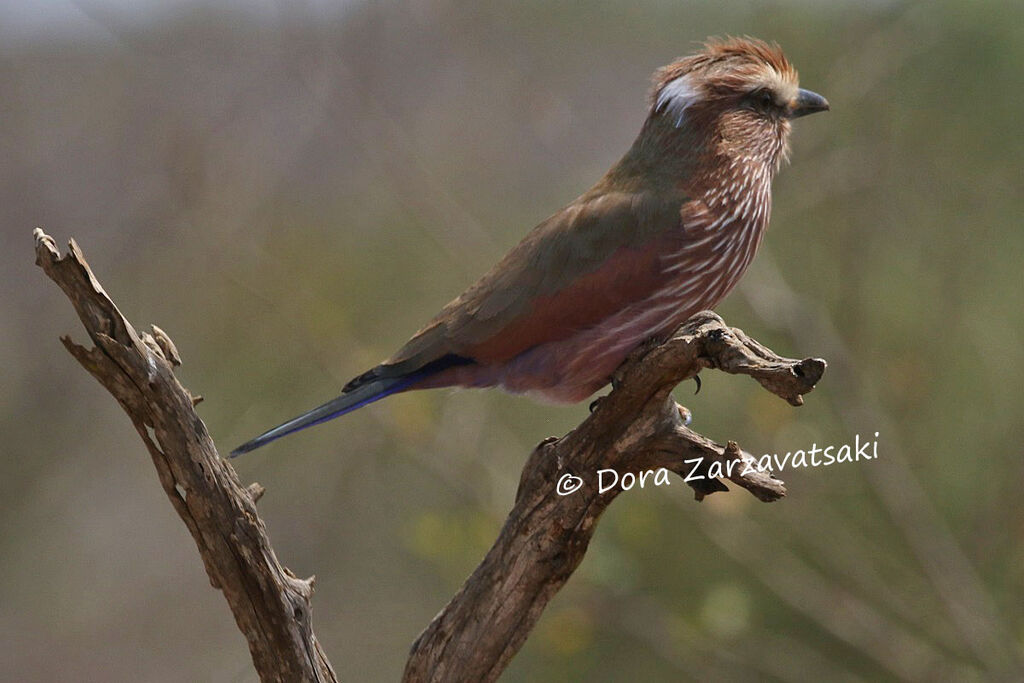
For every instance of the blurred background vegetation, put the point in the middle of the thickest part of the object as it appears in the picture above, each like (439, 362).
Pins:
(291, 189)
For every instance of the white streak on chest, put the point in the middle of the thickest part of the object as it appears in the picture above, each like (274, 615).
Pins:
(719, 242)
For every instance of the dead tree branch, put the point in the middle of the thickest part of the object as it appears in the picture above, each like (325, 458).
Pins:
(271, 605)
(637, 428)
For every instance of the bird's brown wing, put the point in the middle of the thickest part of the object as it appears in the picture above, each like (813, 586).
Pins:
(581, 265)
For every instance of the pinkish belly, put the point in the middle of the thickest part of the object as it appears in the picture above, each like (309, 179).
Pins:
(569, 370)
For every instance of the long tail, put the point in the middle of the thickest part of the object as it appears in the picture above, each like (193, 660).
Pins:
(346, 403)
(363, 390)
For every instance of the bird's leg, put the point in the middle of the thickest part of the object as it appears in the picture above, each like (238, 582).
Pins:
(614, 381)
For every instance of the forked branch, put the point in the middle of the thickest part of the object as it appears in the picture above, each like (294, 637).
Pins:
(636, 428)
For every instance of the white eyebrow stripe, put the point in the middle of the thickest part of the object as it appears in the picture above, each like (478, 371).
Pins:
(676, 97)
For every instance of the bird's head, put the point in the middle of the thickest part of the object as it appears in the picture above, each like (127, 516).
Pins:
(736, 97)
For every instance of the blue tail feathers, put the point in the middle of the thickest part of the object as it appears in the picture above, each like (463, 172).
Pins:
(364, 390)
(346, 403)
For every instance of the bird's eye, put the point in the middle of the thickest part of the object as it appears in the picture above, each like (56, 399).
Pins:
(765, 97)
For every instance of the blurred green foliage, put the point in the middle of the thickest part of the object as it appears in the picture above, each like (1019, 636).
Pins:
(291, 196)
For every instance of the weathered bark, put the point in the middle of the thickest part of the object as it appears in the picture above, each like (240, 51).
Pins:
(271, 605)
(636, 428)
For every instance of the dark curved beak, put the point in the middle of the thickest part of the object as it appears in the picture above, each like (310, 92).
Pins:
(807, 102)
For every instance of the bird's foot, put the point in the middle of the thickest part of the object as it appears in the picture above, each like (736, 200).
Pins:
(685, 413)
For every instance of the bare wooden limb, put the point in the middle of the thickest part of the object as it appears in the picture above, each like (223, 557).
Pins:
(270, 604)
(636, 428)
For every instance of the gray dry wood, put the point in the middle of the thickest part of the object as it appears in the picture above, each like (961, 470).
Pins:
(271, 606)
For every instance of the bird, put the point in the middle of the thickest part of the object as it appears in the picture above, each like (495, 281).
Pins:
(667, 232)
